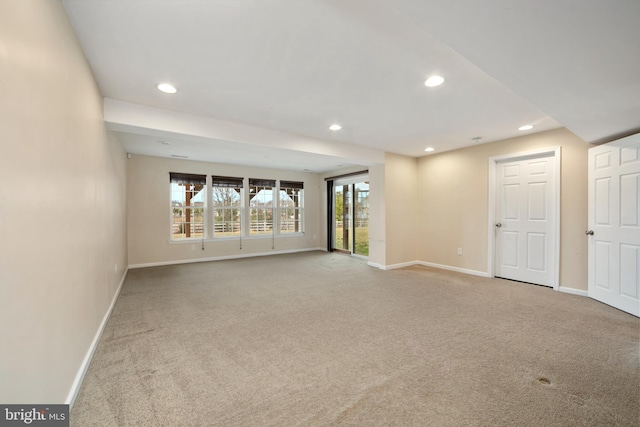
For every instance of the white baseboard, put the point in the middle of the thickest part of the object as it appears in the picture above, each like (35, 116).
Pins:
(456, 269)
(440, 266)
(395, 266)
(77, 382)
(573, 291)
(375, 265)
(564, 289)
(223, 257)
(429, 264)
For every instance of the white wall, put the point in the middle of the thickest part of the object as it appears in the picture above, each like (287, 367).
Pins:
(148, 213)
(62, 205)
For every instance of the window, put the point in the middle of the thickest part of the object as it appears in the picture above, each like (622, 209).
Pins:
(291, 198)
(227, 206)
(187, 205)
(261, 206)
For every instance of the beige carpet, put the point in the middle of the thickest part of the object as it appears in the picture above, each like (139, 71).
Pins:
(322, 339)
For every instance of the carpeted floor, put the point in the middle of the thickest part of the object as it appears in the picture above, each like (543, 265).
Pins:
(317, 339)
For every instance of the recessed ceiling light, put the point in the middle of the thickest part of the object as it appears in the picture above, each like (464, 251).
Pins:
(433, 81)
(476, 139)
(335, 126)
(429, 149)
(167, 88)
(164, 142)
(525, 127)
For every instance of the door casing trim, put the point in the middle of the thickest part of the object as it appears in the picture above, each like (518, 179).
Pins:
(554, 152)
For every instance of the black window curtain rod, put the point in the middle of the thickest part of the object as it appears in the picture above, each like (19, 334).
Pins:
(226, 181)
(187, 178)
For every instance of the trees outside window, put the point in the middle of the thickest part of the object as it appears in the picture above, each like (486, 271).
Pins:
(187, 205)
(228, 209)
(227, 206)
(291, 206)
(261, 206)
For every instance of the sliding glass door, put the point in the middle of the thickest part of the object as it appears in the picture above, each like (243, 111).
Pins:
(361, 218)
(342, 223)
(351, 216)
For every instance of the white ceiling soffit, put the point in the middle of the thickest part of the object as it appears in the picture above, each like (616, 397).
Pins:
(166, 144)
(164, 133)
(297, 66)
(577, 60)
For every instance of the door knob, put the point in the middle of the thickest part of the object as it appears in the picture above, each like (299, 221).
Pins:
(499, 225)
(589, 233)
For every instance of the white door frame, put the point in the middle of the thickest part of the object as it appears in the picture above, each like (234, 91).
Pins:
(554, 152)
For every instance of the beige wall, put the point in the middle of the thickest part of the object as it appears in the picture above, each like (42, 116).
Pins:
(377, 216)
(453, 204)
(62, 215)
(148, 213)
(401, 203)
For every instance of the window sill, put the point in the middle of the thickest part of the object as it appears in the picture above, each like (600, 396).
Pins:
(193, 240)
(190, 240)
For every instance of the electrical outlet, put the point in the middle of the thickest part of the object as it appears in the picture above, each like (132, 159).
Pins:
(115, 268)
(193, 247)
(459, 251)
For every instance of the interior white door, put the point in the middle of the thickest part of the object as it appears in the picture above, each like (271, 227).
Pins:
(614, 224)
(526, 219)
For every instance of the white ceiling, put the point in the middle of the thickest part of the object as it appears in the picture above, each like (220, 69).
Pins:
(287, 69)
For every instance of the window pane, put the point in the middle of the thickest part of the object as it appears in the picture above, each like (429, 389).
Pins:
(361, 218)
(226, 197)
(261, 207)
(342, 222)
(227, 202)
(187, 209)
(291, 208)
